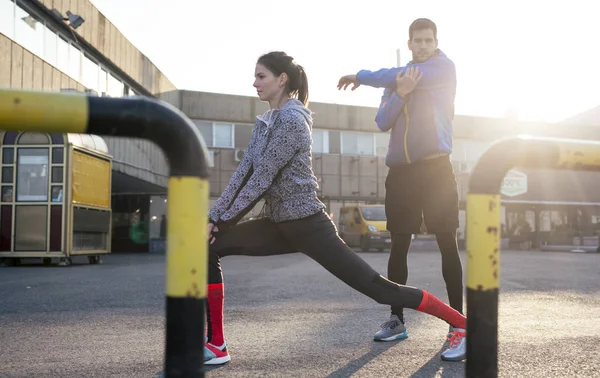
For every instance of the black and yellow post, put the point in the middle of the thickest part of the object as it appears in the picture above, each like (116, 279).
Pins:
(483, 231)
(187, 194)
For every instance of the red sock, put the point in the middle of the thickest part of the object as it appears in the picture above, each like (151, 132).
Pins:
(215, 306)
(433, 306)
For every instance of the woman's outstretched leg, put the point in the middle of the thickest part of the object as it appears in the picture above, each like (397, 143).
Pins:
(317, 237)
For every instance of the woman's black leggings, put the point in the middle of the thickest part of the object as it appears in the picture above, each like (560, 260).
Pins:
(316, 236)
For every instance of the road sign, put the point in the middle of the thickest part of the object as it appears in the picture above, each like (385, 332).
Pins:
(514, 184)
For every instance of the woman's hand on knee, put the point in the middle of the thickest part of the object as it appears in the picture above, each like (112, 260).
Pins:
(212, 228)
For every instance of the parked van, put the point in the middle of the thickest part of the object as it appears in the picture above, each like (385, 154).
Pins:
(364, 226)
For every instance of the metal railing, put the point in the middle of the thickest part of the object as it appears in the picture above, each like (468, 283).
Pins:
(483, 231)
(188, 190)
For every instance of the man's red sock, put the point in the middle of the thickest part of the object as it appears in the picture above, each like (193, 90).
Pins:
(433, 306)
(216, 296)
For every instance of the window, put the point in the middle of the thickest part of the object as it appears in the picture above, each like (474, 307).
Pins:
(74, 63)
(62, 54)
(355, 143)
(8, 155)
(115, 87)
(32, 174)
(29, 31)
(374, 213)
(50, 46)
(216, 134)
(242, 133)
(382, 142)
(356, 215)
(7, 18)
(206, 129)
(102, 83)
(89, 74)
(223, 135)
(7, 175)
(320, 144)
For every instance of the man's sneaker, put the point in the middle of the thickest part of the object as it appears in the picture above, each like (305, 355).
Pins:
(450, 332)
(214, 355)
(457, 350)
(391, 330)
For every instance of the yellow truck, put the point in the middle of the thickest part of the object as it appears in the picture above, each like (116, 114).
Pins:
(364, 226)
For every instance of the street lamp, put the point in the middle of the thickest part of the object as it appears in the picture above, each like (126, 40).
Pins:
(75, 20)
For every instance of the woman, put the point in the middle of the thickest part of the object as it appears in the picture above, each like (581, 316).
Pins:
(277, 168)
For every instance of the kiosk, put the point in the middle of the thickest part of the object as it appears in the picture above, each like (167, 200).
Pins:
(56, 197)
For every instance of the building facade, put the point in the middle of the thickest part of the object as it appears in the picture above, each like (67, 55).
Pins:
(538, 207)
(39, 50)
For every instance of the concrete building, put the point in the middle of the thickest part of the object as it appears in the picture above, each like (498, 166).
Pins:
(39, 50)
(538, 207)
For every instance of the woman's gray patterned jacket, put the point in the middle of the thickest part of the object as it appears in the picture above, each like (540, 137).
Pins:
(276, 167)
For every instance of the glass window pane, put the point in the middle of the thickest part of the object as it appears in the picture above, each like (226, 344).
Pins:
(57, 175)
(31, 224)
(7, 175)
(365, 144)
(58, 155)
(320, 143)
(102, 83)
(382, 142)
(349, 143)
(317, 141)
(115, 87)
(7, 194)
(33, 138)
(242, 133)
(57, 193)
(62, 54)
(29, 31)
(74, 63)
(8, 155)
(50, 46)
(32, 174)
(223, 135)
(89, 74)
(7, 19)
(354, 143)
(206, 129)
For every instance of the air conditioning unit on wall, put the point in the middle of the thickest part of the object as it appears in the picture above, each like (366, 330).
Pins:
(239, 154)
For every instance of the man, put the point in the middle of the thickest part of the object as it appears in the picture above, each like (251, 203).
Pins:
(418, 107)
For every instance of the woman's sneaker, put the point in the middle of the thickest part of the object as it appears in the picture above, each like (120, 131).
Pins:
(216, 355)
(457, 349)
(391, 330)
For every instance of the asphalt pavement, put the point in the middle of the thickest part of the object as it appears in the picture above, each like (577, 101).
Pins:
(287, 317)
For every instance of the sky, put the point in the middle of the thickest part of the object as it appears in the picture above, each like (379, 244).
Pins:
(537, 59)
